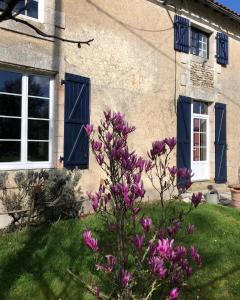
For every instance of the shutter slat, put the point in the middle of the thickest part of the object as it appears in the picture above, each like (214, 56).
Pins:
(76, 116)
(220, 143)
(181, 34)
(222, 48)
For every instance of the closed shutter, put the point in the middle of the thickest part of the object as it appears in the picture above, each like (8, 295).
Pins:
(184, 132)
(220, 143)
(76, 116)
(181, 34)
(222, 48)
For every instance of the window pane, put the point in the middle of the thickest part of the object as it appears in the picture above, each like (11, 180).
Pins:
(203, 127)
(38, 108)
(196, 139)
(38, 86)
(196, 154)
(203, 154)
(10, 128)
(10, 105)
(204, 108)
(203, 139)
(197, 107)
(10, 82)
(32, 9)
(10, 151)
(38, 130)
(196, 124)
(38, 151)
(19, 7)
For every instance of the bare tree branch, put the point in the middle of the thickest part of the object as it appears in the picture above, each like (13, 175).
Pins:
(8, 13)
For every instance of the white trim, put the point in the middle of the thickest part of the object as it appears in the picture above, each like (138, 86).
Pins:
(40, 18)
(24, 163)
(207, 161)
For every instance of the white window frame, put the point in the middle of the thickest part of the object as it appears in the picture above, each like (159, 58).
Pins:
(40, 18)
(24, 163)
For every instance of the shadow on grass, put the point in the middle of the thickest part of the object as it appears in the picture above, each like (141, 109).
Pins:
(43, 260)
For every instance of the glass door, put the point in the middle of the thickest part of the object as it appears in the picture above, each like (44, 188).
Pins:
(200, 137)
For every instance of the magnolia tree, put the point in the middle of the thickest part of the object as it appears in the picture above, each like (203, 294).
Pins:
(140, 257)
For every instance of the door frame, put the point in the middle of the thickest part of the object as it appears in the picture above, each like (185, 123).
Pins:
(207, 162)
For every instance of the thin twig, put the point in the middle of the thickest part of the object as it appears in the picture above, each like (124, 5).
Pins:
(88, 287)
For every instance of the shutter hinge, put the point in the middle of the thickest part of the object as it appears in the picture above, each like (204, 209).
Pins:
(61, 159)
(63, 81)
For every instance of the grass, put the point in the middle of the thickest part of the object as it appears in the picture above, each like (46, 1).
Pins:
(34, 263)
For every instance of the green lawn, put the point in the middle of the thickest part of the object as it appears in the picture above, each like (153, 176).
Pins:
(33, 263)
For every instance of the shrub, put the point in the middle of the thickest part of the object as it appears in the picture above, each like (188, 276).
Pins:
(140, 258)
(46, 194)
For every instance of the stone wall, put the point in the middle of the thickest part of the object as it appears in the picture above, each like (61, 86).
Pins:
(202, 75)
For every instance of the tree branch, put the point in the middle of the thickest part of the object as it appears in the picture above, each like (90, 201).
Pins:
(8, 14)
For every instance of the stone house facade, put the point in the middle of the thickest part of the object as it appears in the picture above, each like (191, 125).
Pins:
(170, 66)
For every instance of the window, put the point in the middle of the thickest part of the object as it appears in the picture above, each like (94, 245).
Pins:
(199, 43)
(25, 120)
(28, 8)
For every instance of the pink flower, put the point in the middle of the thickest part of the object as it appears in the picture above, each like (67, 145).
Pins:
(111, 262)
(100, 159)
(146, 223)
(190, 228)
(136, 210)
(138, 241)
(89, 129)
(165, 248)
(126, 277)
(89, 241)
(148, 166)
(156, 265)
(195, 255)
(158, 148)
(196, 199)
(173, 171)
(95, 200)
(171, 142)
(96, 146)
(174, 294)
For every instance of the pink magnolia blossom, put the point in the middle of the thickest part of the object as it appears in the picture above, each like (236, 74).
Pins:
(173, 171)
(165, 248)
(196, 199)
(195, 255)
(138, 241)
(89, 241)
(111, 262)
(174, 294)
(157, 267)
(171, 142)
(190, 228)
(96, 146)
(125, 278)
(89, 129)
(146, 223)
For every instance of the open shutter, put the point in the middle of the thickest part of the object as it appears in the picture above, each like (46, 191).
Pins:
(181, 34)
(220, 143)
(222, 48)
(76, 116)
(184, 132)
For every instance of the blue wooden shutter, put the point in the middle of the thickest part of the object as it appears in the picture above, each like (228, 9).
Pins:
(184, 132)
(222, 48)
(181, 34)
(76, 116)
(220, 143)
